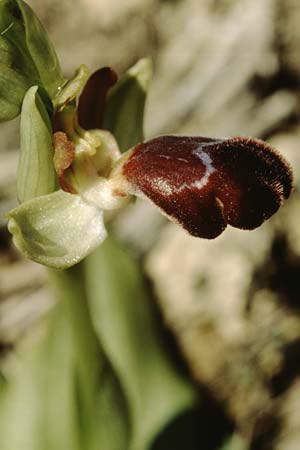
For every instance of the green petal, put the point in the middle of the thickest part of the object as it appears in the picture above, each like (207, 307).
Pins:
(124, 114)
(36, 173)
(27, 57)
(73, 87)
(57, 230)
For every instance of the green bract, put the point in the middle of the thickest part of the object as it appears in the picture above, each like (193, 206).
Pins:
(27, 57)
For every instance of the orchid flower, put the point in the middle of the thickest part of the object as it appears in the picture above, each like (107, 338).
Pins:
(201, 183)
(80, 156)
(83, 155)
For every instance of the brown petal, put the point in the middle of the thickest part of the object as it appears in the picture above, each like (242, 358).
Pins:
(92, 100)
(205, 183)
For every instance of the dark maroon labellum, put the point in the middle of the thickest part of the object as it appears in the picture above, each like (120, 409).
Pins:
(205, 184)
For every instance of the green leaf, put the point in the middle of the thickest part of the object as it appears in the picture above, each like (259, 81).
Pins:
(101, 409)
(36, 173)
(63, 394)
(57, 230)
(125, 324)
(43, 397)
(124, 114)
(27, 57)
(39, 395)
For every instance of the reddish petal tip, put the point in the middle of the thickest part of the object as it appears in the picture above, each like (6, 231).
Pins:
(93, 97)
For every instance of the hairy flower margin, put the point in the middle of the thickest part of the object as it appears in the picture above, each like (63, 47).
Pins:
(201, 183)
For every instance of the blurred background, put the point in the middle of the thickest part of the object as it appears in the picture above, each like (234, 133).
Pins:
(231, 306)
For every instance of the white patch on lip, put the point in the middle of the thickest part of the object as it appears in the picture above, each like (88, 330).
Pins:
(209, 168)
(167, 189)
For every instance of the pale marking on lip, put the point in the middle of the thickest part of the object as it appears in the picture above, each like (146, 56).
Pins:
(172, 157)
(167, 189)
(207, 161)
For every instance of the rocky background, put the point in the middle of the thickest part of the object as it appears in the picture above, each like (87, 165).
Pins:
(222, 67)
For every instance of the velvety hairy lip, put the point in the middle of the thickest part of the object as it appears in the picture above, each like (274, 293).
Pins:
(205, 184)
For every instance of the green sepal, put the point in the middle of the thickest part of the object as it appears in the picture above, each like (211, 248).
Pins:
(36, 173)
(124, 113)
(126, 327)
(27, 57)
(57, 230)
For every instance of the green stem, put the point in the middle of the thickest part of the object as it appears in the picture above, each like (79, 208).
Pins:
(88, 358)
